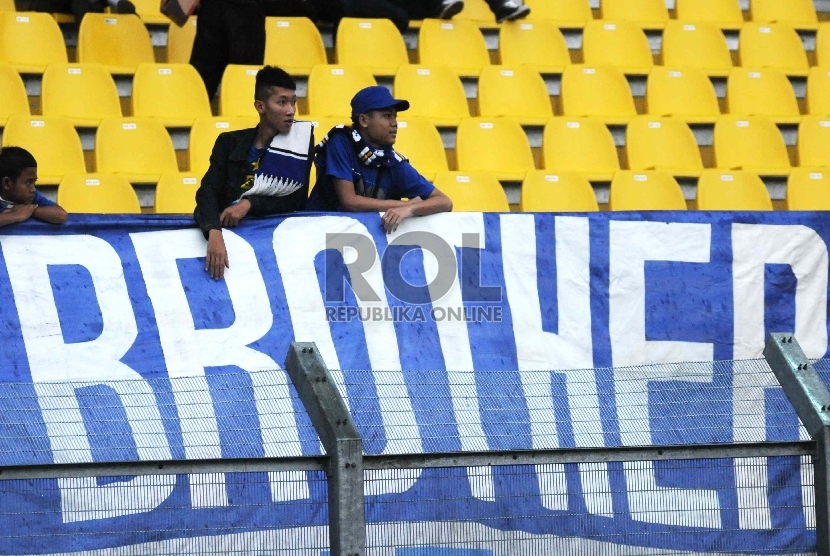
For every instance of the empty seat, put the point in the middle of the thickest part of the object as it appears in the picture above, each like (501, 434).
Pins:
(473, 191)
(818, 91)
(478, 12)
(808, 189)
(687, 94)
(331, 88)
(750, 143)
(597, 91)
(458, 45)
(13, 99)
(119, 42)
(537, 44)
(772, 45)
(580, 145)
(203, 136)
(30, 41)
(498, 146)
(814, 142)
(654, 190)
(564, 13)
(560, 192)
(801, 14)
(766, 92)
(7, 6)
(148, 11)
(180, 42)
(497, 84)
(236, 95)
(421, 143)
(662, 144)
(176, 193)
(433, 93)
(375, 44)
(138, 149)
(649, 14)
(294, 44)
(52, 141)
(725, 14)
(83, 93)
(173, 94)
(719, 190)
(823, 46)
(696, 45)
(621, 44)
(97, 193)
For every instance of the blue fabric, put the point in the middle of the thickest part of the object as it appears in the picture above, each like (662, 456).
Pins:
(40, 201)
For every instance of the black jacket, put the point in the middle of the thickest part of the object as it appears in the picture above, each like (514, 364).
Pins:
(222, 184)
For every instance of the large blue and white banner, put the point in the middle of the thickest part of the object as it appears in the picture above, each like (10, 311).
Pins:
(476, 331)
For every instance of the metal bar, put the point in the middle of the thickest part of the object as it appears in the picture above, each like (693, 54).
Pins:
(821, 469)
(343, 444)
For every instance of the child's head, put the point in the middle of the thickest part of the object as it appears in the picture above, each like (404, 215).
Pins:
(18, 175)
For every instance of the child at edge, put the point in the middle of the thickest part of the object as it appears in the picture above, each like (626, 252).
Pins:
(19, 200)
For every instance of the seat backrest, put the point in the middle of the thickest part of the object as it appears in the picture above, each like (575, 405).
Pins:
(30, 41)
(149, 11)
(596, 91)
(478, 12)
(818, 91)
(813, 141)
(544, 191)
(294, 44)
(236, 95)
(13, 99)
(683, 93)
(133, 146)
(435, 93)
(7, 6)
(748, 143)
(616, 43)
(763, 92)
(457, 44)
(823, 46)
(661, 144)
(176, 193)
(498, 84)
(118, 41)
(654, 190)
(574, 12)
(52, 141)
(375, 44)
(793, 12)
(473, 191)
(203, 136)
(494, 145)
(421, 143)
(171, 93)
(84, 93)
(808, 189)
(643, 12)
(742, 190)
(97, 193)
(331, 88)
(771, 45)
(180, 41)
(537, 44)
(714, 11)
(696, 45)
(579, 145)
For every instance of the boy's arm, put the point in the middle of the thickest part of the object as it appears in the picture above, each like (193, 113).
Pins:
(18, 213)
(352, 202)
(435, 203)
(53, 214)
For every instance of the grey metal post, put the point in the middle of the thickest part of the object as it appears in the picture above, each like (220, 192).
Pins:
(811, 401)
(343, 445)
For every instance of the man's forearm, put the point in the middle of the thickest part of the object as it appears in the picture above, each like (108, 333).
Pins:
(53, 214)
(432, 205)
(366, 204)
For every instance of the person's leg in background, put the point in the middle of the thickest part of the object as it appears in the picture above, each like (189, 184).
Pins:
(508, 10)
(381, 9)
(245, 20)
(504, 10)
(210, 47)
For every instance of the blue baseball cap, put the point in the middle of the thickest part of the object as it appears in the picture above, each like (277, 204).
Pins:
(375, 98)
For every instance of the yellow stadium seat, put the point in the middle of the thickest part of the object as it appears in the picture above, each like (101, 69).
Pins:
(818, 91)
(294, 44)
(421, 143)
(563, 13)
(498, 146)
(813, 142)
(662, 144)
(176, 193)
(7, 6)
(808, 189)
(478, 12)
(138, 149)
(13, 99)
(173, 94)
(720, 190)
(323, 125)
(472, 191)
(725, 14)
(557, 192)
(30, 41)
(687, 94)
(655, 190)
(203, 136)
(823, 46)
(433, 93)
(458, 45)
(764, 92)
(750, 143)
(580, 145)
(148, 11)
(621, 44)
(772, 45)
(180, 42)
(119, 42)
(83, 93)
(648, 14)
(600, 91)
(236, 95)
(696, 45)
(97, 193)
(375, 44)
(801, 14)
(499, 83)
(331, 88)
(539, 45)
(52, 141)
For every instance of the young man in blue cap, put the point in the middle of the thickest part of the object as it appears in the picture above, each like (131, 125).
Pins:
(358, 170)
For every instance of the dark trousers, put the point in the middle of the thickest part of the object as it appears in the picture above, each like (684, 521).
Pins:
(399, 11)
(228, 33)
(76, 8)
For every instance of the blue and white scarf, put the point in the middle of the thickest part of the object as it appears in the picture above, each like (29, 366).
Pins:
(283, 169)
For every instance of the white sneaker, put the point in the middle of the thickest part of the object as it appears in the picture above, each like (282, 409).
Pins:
(510, 10)
(450, 8)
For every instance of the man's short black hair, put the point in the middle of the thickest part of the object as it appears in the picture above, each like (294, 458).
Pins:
(13, 160)
(271, 76)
